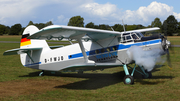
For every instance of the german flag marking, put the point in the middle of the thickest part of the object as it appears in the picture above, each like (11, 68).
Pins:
(25, 41)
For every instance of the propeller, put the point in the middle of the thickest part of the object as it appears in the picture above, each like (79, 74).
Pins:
(166, 46)
(168, 59)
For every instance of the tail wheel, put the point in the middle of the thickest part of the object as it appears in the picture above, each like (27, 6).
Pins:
(128, 80)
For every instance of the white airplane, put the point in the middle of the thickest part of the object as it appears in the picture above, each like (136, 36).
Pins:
(95, 50)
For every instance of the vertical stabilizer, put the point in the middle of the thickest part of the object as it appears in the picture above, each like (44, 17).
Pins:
(32, 56)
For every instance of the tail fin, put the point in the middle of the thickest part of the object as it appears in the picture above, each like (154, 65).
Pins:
(31, 43)
(33, 56)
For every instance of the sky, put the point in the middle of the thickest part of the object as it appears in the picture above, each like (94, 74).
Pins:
(108, 12)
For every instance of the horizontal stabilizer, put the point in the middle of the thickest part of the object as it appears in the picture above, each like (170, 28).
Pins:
(52, 47)
(19, 51)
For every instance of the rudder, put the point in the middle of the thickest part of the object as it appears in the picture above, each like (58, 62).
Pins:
(33, 56)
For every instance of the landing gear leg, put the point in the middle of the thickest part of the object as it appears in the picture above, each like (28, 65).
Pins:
(128, 79)
(41, 73)
(146, 73)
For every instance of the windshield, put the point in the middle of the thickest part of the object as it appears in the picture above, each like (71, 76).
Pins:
(139, 35)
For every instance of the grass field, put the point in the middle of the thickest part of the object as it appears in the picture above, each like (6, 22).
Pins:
(20, 83)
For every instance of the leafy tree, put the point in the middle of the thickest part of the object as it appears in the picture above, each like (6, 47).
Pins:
(139, 26)
(2, 29)
(7, 30)
(48, 23)
(104, 27)
(15, 29)
(76, 21)
(156, 23)
(90, 25)
(170, 25)
(131, 27)
(164, 27)
(96, 27)
(118, 27)
(40, 25)
(30, 23)
(178, 28)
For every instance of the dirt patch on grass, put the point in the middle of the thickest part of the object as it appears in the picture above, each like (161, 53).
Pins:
(17, 88)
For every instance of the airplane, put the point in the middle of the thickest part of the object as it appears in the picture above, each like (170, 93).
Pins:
(95, 49)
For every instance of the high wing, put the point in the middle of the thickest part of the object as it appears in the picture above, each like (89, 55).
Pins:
(69, 32)
(19, 51)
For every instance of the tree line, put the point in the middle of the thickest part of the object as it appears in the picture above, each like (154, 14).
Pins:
(17, 29)
(169, 27)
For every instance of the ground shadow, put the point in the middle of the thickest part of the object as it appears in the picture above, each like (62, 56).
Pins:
(99, 80)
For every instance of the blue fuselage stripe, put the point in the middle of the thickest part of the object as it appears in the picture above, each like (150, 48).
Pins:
(118, 47)
(32, 64)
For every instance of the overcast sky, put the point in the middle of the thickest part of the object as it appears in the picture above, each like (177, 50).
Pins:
(97, 11)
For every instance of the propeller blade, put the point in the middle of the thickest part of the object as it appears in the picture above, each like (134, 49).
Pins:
(168, 59)
(171, 48)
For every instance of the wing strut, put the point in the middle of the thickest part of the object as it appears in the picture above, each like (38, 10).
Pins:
(83, 51)
(30, 56)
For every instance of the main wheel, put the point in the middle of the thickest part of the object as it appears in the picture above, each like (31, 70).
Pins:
(128, 80)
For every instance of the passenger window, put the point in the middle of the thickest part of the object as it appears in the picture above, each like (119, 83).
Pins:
(97, 51)
(102, 50)
(108, 49)
(114, 48)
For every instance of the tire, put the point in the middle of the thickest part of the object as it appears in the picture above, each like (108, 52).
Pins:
(128, 80)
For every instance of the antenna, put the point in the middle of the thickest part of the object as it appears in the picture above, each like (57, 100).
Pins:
(124, 26)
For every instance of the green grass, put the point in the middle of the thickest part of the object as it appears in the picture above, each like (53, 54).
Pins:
(104, 85)
(175, 40)
(10, 38)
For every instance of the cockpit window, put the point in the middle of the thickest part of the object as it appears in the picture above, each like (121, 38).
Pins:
(139, 35)
(130, 37)
(135, 37)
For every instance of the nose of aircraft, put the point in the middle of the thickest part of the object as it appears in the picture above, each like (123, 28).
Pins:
(165, 44)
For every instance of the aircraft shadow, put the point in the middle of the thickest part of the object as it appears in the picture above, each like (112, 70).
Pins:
(99, 80)
(94, 81)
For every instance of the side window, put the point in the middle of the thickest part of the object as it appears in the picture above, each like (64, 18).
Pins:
(103, 50)
(108, 49)
(114, 48)
(135, 37)
(128, 38)
(97, 51)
